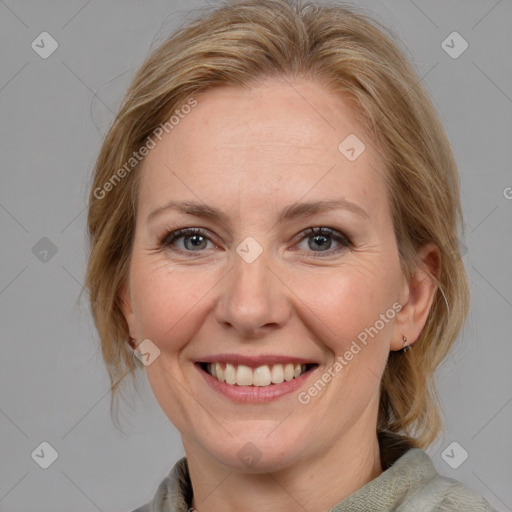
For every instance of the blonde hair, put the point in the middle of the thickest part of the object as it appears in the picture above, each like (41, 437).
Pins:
(352, 55)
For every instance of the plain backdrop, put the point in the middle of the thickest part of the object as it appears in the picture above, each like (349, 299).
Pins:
(54, 113)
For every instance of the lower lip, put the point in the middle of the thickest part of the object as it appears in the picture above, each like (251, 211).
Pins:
(255, 394)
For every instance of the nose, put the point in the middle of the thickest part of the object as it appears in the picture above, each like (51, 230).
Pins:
(253, 299)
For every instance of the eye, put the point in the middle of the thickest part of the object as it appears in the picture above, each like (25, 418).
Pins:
(321, 238)
(194, 239)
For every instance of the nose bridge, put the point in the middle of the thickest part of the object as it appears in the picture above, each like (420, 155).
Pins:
(252, 297)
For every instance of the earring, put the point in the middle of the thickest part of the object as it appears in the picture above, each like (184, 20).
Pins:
(406, 347)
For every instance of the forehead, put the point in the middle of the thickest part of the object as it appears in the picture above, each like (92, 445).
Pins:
(279, 141)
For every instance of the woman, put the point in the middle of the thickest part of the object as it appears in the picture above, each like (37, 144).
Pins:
(273, 223)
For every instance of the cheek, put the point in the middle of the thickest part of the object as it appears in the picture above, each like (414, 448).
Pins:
(352, 302)
(167, 302)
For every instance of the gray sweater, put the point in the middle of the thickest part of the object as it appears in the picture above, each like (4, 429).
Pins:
(409, 483)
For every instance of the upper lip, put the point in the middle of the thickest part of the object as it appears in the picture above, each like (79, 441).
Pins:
(254, 361)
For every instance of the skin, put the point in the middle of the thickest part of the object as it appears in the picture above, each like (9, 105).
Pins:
(250, 153)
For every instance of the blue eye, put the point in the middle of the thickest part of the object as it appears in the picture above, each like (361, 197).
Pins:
(322, 238)
(195, 240)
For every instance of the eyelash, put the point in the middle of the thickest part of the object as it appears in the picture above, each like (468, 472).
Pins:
(170, 237)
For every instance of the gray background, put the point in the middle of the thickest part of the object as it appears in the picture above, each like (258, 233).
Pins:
(54, 113)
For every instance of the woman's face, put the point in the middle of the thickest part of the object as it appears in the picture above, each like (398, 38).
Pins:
(257, 282)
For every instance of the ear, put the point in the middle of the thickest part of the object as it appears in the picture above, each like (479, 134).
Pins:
(126, 306)
(416, 298)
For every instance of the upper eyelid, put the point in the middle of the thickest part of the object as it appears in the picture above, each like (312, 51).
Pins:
(322, 230)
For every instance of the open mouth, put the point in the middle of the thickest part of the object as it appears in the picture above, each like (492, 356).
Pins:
(261, 376)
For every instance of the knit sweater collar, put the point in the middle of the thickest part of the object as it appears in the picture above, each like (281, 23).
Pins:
(406, 471)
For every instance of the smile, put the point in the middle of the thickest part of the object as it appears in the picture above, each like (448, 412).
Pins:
(261, 376)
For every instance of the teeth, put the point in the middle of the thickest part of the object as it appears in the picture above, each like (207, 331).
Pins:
(230, 374)
(219, 372)
(264, 375)
(289, 372)
(243, 375)
(277, 374)
(261, 376)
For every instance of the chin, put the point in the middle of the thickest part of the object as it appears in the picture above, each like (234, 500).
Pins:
(253, 454)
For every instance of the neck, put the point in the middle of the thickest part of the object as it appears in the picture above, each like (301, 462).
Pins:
(314, 484)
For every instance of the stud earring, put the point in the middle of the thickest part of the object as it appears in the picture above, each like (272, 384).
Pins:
(406, 347)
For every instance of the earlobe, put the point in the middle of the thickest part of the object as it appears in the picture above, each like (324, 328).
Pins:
(420, 292)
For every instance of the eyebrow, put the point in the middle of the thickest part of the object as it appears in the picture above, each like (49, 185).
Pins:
(295, 210)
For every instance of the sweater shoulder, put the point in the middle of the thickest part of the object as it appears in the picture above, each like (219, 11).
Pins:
(463, 499)
(449, 495)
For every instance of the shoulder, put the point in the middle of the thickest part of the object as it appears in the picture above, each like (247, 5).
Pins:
(417, 485)
(430, 491)
(450, 495)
